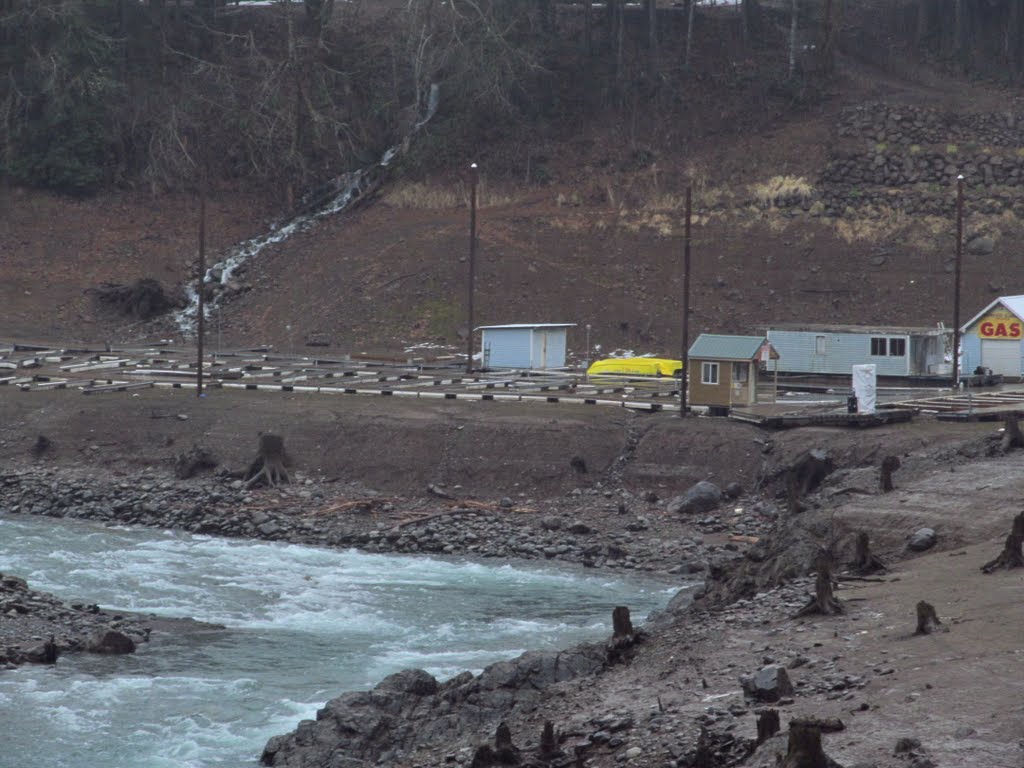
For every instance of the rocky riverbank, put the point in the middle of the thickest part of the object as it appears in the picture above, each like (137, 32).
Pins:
(36, 627)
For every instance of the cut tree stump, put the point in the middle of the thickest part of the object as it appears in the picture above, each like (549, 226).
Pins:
(823, 603)
(767, 725)
(1012, 555)
(889, 465)
(268, 466)
(863, 561)
(805, 475)
(704, 757)
(804, 748)
(927, 619)
(548, 741)
(622, 625)
(1012, 436)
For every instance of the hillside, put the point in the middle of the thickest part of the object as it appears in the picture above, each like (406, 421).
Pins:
(830, 203)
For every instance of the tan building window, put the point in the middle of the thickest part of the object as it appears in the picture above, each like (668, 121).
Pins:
(740, 371)
(709, 373)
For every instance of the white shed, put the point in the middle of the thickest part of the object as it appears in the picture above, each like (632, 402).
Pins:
(524, 345)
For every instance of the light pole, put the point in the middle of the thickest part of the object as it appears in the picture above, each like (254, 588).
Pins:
(473, 174)
(201, 303)
(956, 289)
(586, 361)
(684, 373)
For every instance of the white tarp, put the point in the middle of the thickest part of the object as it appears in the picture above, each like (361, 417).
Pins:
(865, 384)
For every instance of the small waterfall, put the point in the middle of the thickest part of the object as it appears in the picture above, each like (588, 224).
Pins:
(327, 200)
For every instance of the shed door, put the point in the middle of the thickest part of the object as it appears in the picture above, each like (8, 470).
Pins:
(1001, 356)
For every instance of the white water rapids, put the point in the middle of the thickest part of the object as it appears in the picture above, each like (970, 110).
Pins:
(302, 625)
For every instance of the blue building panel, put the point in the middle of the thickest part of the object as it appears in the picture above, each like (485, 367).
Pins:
(531, 346)
(508, 349)
(831, 352)
(970, 352)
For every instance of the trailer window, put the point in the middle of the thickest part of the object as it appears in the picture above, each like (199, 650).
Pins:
(897, 347)
(709, 373)
(819, 345)
(878, 346)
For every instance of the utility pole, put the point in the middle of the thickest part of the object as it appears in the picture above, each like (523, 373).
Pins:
(473, 176)
(685, 372)
(200, 304)
(956, 289)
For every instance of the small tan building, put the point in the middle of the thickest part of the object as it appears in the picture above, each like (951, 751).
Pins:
(723, 369)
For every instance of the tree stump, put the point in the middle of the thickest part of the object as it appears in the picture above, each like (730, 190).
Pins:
(622, 625)
(1012, 436)
(889, 465)
(1012, 555)
(704, 757)
(767, 725)
(804, 748)
(927, 619)
(863, 561)
(268, 466)
(805, 475)
(505, 752)
(42, 446)
(823, 602)
(548, 741)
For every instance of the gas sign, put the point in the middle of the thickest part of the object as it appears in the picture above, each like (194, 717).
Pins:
(1001, 326)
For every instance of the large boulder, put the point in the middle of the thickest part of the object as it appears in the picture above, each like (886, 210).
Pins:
(922, 540)
(110, 641)
(770, 683)
(703, 497)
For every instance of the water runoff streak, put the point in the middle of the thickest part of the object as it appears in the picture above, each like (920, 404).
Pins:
(332, 198)
(301, 625)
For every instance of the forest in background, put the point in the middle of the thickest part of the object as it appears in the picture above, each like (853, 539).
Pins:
(154, 95)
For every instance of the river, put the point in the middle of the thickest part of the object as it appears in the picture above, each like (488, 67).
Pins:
(301, 625)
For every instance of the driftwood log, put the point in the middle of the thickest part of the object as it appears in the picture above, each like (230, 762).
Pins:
(804, 748)
(927, 619)
(268, 466)
(889, 466)
(1012, 555)
(864, 562)
(823, 603)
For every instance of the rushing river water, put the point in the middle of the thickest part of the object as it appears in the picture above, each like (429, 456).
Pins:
(301, 626)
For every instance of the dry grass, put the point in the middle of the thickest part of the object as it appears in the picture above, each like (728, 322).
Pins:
(420, 196)
(781, 188)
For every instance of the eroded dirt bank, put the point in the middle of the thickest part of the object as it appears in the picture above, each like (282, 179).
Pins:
(511, 475)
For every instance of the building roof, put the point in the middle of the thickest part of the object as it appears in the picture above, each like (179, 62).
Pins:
(1013, 303)
(521, 326)
(712, 346)
(881, 330)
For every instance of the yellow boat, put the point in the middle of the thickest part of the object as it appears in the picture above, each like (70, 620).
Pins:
(636, 366)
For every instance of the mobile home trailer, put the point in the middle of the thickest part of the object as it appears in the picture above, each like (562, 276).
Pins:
(835, 349)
